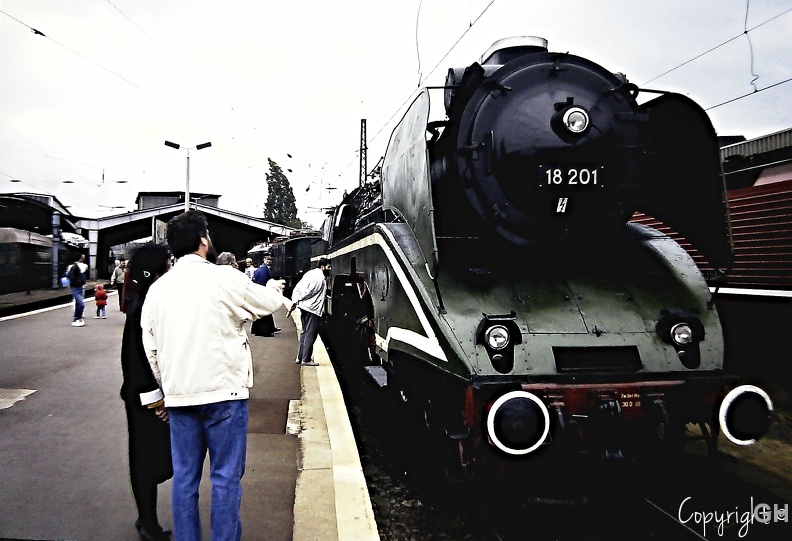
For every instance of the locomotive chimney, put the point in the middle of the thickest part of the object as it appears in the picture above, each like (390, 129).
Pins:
(507, 49)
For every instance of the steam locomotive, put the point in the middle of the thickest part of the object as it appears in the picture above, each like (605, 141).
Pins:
(499, 290)
(291, 257)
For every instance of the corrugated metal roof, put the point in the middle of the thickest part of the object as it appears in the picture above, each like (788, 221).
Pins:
(766, 143)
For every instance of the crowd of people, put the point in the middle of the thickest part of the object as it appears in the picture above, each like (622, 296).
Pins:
(187, 366)
(76, 278)
(187, 370)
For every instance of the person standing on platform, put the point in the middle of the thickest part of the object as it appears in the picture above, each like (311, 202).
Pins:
(77, 280)
(262, 273)
(147, 419)
(228, 259)
(309, 297)
(192, 323)
(249, 268)
(266, 325)
(117, 280)
(100, 296)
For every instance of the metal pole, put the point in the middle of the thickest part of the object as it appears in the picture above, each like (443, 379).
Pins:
(187, 187)
(56, 240)
(363, 158)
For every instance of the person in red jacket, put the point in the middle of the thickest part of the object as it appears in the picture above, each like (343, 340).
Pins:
(100, 296)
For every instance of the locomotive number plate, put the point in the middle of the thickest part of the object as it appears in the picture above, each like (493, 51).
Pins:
(571, 176)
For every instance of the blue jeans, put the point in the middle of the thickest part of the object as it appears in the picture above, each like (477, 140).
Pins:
(221, 429)
(310, 330)
(79, 302)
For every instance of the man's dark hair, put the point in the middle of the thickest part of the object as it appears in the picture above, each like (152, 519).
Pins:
(75, 274)
(323, 261)
(185, 232)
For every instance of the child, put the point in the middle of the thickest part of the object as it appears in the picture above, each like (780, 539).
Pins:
(100, 296)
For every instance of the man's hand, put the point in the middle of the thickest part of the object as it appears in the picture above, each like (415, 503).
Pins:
(280, 285)
(162, 413)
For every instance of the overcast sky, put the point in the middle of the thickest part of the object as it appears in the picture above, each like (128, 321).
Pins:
(109, 81)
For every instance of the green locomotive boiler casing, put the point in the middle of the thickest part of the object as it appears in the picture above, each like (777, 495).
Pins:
(519, 316)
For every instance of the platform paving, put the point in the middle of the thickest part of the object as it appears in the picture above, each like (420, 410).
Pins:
(63, 465)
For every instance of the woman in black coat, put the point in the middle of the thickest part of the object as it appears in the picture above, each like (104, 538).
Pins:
(149, 436)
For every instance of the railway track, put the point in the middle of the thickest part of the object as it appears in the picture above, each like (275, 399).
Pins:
(637, 519)
(679, 529)
(644, 521)
(697, 498)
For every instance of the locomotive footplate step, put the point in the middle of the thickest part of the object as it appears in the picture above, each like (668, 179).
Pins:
(378, 374)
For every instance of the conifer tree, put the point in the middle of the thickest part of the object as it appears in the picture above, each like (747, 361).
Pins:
(281, 206)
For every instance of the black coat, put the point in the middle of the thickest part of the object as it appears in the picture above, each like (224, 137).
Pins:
(149, 437)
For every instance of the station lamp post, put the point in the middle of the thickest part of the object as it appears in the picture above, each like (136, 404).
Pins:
(187, 185)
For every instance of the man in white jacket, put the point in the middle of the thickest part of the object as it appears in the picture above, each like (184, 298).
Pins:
(199, 353)
(309, 297)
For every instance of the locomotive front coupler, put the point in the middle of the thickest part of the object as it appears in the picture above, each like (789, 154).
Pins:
(583, 400)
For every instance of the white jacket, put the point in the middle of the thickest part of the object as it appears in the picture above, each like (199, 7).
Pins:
(192, 331)
(309, 293)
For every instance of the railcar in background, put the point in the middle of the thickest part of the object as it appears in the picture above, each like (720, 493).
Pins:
(291, 257)
(258, 253)
(25, 260)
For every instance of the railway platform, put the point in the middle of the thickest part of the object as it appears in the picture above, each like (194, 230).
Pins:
(303, 481)
(25, 301)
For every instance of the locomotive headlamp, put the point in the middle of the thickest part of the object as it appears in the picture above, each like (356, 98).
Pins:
(497, 337)
(499, 334)
(680, 328)
(681, 334)
(518, 423)
(575, 120)
(684, 330)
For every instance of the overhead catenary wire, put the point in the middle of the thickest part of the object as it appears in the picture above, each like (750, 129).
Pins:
(779, 83)
(225, 133)
(754, 77)
(63, 161)
(155, 42)
(182, 66)
(417, 48)
(108, 70)
(41, 152)
(746, 32)
(412, 94)
(750, 44)
(708, 51)
(475, 13)
(421, 81)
